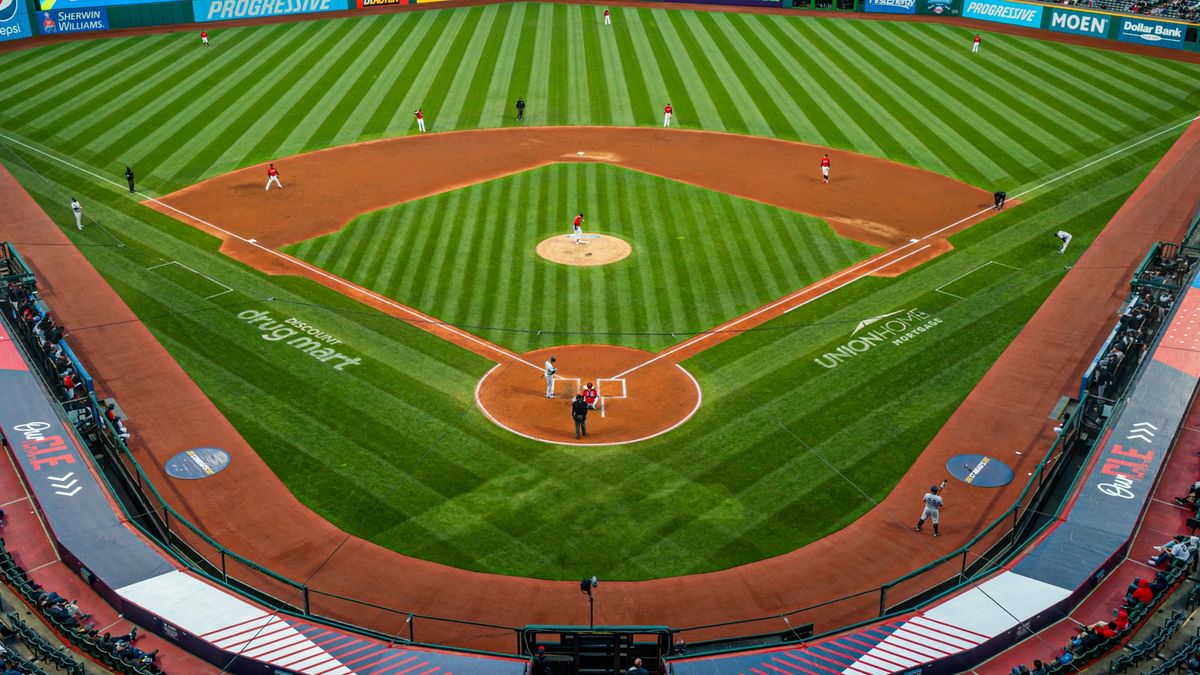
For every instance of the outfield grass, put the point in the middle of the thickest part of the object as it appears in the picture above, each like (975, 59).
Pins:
(467, 257)
(755, 473)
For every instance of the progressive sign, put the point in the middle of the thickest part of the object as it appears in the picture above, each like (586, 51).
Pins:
(220, 10)
(1004, 12)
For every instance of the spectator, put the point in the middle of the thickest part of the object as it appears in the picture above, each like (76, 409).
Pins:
(637, 668)
(1122, 619)
(541, 664)
(1179, 550)
(1142, 594)
(1190, 498)
(1039, 668)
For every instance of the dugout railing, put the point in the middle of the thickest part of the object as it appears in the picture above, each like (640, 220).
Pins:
(1038, 504)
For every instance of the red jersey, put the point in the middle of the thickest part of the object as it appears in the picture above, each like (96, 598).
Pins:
(203, 35)
(589, 396)
(667, 110)
(578, 221)
(977, 39)
(272, 172)
(606, 12)
(420, 115)
(824, 161)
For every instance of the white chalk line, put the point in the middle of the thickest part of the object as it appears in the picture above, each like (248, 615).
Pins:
(297, 262)
(724, 327)
(967, 274)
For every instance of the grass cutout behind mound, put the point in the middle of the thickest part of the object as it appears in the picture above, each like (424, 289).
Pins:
(468, 257)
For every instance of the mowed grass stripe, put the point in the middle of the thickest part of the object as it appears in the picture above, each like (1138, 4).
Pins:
(493, 71)
(580, 83)
(619, 92)
(708, 96)
(661, 72)
(442, 43)
(432, 89)
(742, 95)
(25, 97)
(167, 121)
(465, 68)
(909, 108)
(539, 76)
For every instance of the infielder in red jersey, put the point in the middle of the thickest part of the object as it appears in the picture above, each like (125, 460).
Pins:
(825, 169)
(667, 115)
(273, 177)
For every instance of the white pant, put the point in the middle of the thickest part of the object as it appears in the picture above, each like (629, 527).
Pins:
(421, 124)
(578, 235)
(549, 385)
(275, 180)
(666, 119)
(1065, 241)
(607, 20)
(974, 47)
(930, 513)
(79, 219)
(204, 41)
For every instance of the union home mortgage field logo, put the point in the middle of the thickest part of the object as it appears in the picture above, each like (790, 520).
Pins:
(896, 328)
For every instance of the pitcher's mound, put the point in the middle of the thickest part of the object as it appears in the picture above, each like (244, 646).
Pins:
(596, 249)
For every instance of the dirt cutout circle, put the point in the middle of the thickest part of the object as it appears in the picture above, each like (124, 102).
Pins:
(591, 251)
(641, 396)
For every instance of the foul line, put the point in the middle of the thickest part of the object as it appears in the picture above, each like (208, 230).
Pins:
(724, 327)
(299, 263)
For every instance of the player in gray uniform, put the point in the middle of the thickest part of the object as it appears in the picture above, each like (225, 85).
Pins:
(78, 212)
(932, 503)
(550, 371)
(1065, 238)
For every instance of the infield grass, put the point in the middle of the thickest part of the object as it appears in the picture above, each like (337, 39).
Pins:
(782, 451)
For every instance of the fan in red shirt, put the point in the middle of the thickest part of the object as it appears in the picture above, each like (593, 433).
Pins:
(590, 396)
(825, 168)
(667, 111)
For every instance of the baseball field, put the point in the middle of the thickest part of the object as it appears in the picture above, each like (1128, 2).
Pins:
(802, 425)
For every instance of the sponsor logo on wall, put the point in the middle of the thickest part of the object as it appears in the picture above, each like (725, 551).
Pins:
(219, 10)
(1079, 23)
(897, 328)
(14, 22)
(374, 3)
(1001, 11)
(72, 21)
(940, 7)
(891, 6)
(1158, 33)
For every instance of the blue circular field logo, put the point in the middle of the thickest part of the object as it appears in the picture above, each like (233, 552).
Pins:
(197, 463)
(980, 470)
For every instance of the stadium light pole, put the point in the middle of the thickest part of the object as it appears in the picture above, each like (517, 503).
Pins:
(586, 586)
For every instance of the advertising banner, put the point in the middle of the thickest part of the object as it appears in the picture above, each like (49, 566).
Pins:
(1001, 11)
(740, 3)
(220, 10)
(939, 7)
(891, 6)
(72, 21)
(1157, 33)
(1080, 23)
(67, 5)
(375, 3)
(14, 21)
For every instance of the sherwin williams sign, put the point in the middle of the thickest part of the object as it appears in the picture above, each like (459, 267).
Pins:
(1157, 33)
(1004, 12)
(72, 21)
(14, 22)
(891, 6)
(1079, 23)
(219, 10)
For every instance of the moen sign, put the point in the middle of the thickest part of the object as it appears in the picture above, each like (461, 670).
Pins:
(1079, 23)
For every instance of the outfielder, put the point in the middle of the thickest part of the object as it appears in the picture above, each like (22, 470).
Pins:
(272, 177)
(667, 115)
(607, 18)
(932, 503)
(78, 213)
(975, 44)
(204, 38)
(420, 120)
(550, 371)
(1065, 237)
(577, 226)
